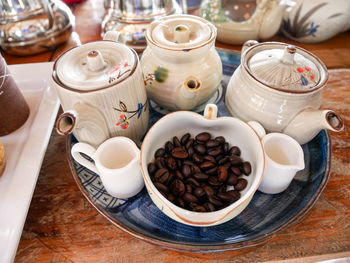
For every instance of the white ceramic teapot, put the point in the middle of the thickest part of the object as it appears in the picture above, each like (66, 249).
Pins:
(181, 67)
(102, 92)
(280, 85)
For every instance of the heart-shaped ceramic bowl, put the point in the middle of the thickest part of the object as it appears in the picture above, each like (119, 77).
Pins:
(235, 131)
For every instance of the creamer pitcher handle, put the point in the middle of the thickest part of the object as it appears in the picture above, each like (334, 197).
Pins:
(210, 111)
(87, 149)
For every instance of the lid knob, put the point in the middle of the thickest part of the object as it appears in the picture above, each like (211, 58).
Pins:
(181, 34)
(288, 54)
(95, 60)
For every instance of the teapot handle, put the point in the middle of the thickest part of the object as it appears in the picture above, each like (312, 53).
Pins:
(48, 10)
(114, 36)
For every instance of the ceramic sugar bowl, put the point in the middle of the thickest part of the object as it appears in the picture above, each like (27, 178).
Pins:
(280, 86)
(181, 67)
(102, 92)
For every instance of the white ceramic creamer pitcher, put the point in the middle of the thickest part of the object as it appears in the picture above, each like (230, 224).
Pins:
(102, 92)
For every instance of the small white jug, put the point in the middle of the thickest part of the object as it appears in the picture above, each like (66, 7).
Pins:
(117, 162)
(284, 157)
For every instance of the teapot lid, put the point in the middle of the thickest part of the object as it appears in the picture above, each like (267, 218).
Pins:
(95, 65)
(179, 32)
(285, 67)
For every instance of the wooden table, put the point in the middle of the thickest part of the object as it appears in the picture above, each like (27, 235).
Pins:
(62, 226)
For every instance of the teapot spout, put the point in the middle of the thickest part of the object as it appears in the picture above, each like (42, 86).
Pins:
(186, 97)
(308, 123)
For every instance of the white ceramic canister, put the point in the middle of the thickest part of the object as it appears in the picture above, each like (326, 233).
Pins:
(182, 69)
(102, 92)
(280, 86)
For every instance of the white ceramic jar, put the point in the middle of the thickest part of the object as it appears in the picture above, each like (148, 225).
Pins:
(102, 93)
(280, 86)
(181, 67)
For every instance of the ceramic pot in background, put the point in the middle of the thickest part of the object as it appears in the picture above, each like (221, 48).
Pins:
(102, 93)
(14, 110)
(182, 69)
(315, 21)
(239, 21)
(280, 86)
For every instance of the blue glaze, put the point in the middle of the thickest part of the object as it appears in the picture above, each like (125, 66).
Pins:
(265, 216)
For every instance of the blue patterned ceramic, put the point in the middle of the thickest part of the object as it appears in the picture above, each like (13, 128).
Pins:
(265, 217)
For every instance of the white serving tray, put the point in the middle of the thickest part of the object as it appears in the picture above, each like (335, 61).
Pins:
(25, 149)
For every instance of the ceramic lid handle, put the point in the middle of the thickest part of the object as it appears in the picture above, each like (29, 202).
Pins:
(95, 60)
(181, 34)
(288, 54)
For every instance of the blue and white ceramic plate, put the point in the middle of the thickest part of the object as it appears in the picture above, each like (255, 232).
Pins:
(264, 218)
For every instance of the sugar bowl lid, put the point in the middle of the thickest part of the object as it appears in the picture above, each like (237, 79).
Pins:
(179, 32)
(95, 65)
(285, 67)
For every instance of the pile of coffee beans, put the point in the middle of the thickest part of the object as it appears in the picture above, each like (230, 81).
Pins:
(196, 173)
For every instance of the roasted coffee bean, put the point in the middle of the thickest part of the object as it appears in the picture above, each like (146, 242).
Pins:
(190, 152)
(161, 187)
(211, 171)
(189, 188)
(193, 182)
(199, 192)
(209, 207)
(206, 165)
(189, 143)
(170, 178)
(152, 168)
(199, 208)
(188, 162)
(159, 153)
(212, 143)
(227, 165)
(201, 176)
(179, 175)
(186, 170)
(215, 200)
(222, 189)
(176, 142)
(185, 138)
(195, 169)
(172, 163)
(235, 160)
(241, 184)
(181, 202)
(246, 168)
(169, 146)
(161, 175)
(235, 195)
(226, 197)
(208, 190)
(203, 137)
(218, 157)
(214, 151)
(178, 187)
(160, 162)
(220, 139)
(200, 149)
(235, 151)
(187, 197)
(214, 181)
(222, 173)
(223, 160)
(232, 179)
(197, 158)
(171, 197)
(236, 170)
(225, 147)
(209, 158)
(179, 152)
(192, 205)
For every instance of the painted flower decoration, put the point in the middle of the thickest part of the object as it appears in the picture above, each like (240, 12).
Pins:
(305, 75)
(124, 120)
